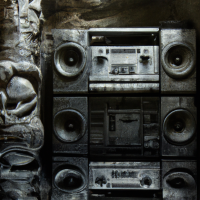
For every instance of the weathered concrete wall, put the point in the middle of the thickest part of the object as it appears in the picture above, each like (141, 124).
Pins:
(118, 13)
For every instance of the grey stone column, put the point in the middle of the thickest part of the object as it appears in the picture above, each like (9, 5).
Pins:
(21, 130)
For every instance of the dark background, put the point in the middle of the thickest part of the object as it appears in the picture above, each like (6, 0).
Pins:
(84, 14)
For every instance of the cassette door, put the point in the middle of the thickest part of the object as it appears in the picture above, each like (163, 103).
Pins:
(127, 126)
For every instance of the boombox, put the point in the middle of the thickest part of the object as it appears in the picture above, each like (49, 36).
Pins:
(70, 178)
(124, 126)
(134, 142)
(124, 60)
(178, 121)
(70, 125)
(169, 179)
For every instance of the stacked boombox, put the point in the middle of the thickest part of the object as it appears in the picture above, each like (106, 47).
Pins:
(124, 114)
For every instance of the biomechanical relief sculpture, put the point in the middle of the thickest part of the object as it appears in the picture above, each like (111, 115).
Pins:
(21, 130)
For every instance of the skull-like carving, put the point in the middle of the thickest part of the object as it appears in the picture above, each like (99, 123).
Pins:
(20, 84)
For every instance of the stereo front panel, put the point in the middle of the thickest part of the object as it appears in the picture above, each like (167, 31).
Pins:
(125, 65)
(168, 179)
(124, 176)
(127, 126)
(124, 61)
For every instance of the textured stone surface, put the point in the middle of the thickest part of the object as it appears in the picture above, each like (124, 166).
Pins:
(117, 13)
(21, 129)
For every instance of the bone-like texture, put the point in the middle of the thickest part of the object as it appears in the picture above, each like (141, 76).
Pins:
(21, 130)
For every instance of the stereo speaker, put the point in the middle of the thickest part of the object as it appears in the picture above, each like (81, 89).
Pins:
(71, 55)
(70, 59)
(179, 179)
(70, 178)
(178, 120)
(70, 125)
(178, 60)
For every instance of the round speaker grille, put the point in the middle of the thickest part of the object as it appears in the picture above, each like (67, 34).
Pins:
(70, 59)
(179, 180)
(178, 60)
(69, 125)
(179, 127)
(70, 180)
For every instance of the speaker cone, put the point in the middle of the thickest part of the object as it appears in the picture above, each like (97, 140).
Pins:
(179, 180)
(178, 60)
(69, 125)
(70, 59)
(179, 127)
(70, 180)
